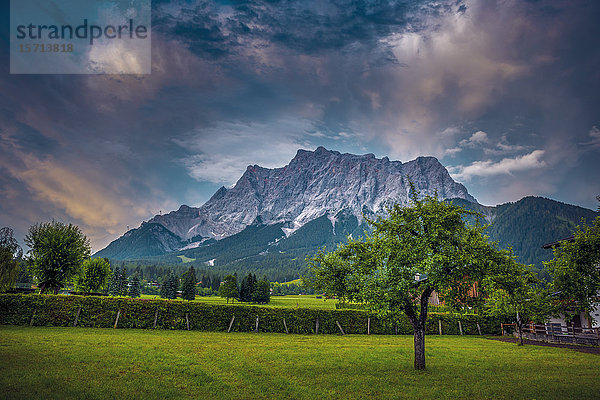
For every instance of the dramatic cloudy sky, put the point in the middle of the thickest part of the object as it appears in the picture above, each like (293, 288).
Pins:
(505, 93)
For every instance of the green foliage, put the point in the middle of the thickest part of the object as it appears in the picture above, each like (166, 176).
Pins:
(531, 222)
(10, 255)
(516, 294)
(57, 253)
(228, 288)
(247, 287)
(93, 276)
(282, 289)
(100, 312)
(123, 283)
(188, 290)
(113, 282)
(575, 269)
(417, 250)
(168, 290)
(262, 292)
(135, 287)
(9, 269)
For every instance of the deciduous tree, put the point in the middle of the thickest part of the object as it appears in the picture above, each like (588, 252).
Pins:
(57, 253)
(94, 275)
(575, 269)
(228, 288)
(10, 255)
(516, 294)
(417, 250)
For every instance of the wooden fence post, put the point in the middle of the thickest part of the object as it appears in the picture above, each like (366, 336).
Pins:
(317, 327)
(76, 317)
(230, 324)
(155, 319)
(440, 326)
(187, 321)
(285, 326)
(478, 329)
(117, 319)
(339, 326)
(369, 326)
(32, 316)
(256, 329)
(460, 327)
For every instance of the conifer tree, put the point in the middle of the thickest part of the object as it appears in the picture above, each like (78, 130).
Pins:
(135, 289)
(169, 287)
(188, 290)
(123, 283)
(113, 282)
(262, 292)
(215, 283)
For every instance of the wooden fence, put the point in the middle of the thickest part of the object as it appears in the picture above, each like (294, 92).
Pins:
(557, 333)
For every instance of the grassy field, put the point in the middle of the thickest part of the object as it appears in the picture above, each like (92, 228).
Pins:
(299, 301)
(136, 364)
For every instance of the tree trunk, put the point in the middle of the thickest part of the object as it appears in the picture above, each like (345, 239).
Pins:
(418, 323)
(520, 329)
(419, 333)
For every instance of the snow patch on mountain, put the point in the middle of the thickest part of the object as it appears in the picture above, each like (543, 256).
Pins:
(311, 185)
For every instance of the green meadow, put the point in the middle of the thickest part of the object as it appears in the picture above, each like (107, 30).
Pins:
(70, 363)
(294, 301)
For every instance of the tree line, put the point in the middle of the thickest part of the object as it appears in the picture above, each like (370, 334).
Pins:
(59, 257)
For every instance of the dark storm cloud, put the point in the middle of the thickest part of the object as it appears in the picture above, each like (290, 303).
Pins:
(307, 27)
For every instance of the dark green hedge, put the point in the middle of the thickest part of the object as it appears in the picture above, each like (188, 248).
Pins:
(59, 310)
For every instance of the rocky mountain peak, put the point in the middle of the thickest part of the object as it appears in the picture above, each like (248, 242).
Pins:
(313, 184)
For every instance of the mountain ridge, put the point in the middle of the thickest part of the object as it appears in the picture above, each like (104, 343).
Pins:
(271, 219)
(312, 184)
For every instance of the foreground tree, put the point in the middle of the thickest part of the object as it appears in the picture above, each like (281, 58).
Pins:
(516, 292)
(57, 253)
(417, 250)
(93, 276)
(10, 255)
(575, 269)
(228, 288)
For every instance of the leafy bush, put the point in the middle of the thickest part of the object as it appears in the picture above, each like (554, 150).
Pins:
(58, 310)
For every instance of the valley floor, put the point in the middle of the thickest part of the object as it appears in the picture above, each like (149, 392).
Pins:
(42, 362)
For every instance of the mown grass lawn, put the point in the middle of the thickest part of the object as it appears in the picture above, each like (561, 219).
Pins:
(42, 362)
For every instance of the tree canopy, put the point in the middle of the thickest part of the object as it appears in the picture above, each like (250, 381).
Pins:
(94, 275)
(228, 288)
(415, 251)
(188, 287)
(575, 269)
(516, 293)
(10, 255)
(57, 253)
